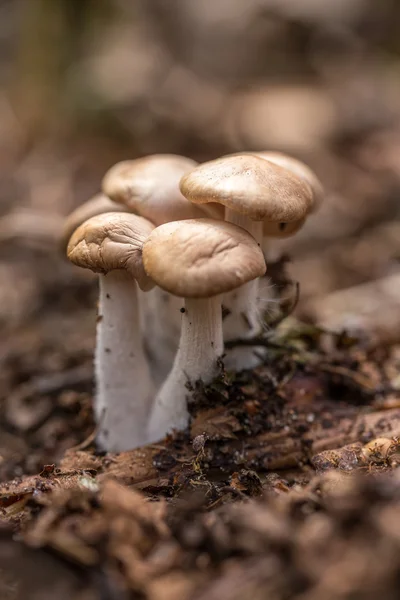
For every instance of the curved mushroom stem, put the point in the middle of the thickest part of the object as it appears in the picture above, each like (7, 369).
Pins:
(243, 318)
(123, 385)
(200, 346)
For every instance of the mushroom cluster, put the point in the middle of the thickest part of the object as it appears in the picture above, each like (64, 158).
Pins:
(173, 243)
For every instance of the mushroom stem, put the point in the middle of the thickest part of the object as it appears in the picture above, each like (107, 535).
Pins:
(124, 389)
(200, 346)
(161, 327)
(243, 319)
(255, 228)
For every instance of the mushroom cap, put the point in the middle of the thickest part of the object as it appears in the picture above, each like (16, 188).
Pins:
(200, 258)
(95, 206)
(112, 241)
(300, 169)
(249, 185)
(149, 187)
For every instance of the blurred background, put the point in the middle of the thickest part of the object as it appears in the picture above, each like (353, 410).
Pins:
(85, 83)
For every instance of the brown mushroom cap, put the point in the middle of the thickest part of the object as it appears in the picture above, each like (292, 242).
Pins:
(200, 258)
(149, 187)
(112, 241)
(95, 206)
(300, 169)
(251, 186)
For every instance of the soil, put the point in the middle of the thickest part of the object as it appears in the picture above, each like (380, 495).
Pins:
(285, 486)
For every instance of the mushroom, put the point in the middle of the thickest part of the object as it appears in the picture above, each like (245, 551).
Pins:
(253, 190)
(149, 186)
(285, 230)
(111, 244)
(97, 205)
(301, 170)
(297, 167)
(198, 259)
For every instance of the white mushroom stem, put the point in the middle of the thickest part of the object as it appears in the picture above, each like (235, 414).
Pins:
(123, 385)
(244, 319)
(255, 228)
(200, 346)
(161, 328)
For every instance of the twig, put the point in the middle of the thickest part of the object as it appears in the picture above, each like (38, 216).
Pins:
(83, 445)
(355, 376)
(339, 370)
(259, 341)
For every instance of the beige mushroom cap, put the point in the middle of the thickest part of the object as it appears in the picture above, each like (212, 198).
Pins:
(300, 169)
(149, 186)
(112, 241)
(200, 258)
(251, 186)
(95, 206)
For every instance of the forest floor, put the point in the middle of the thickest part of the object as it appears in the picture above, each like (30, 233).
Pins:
(285, 485)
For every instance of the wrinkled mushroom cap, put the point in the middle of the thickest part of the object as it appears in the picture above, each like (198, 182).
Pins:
(300, 169)
(200, 258)
(112, 241)
(251, 186)
(95, 206)
(149, 187)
